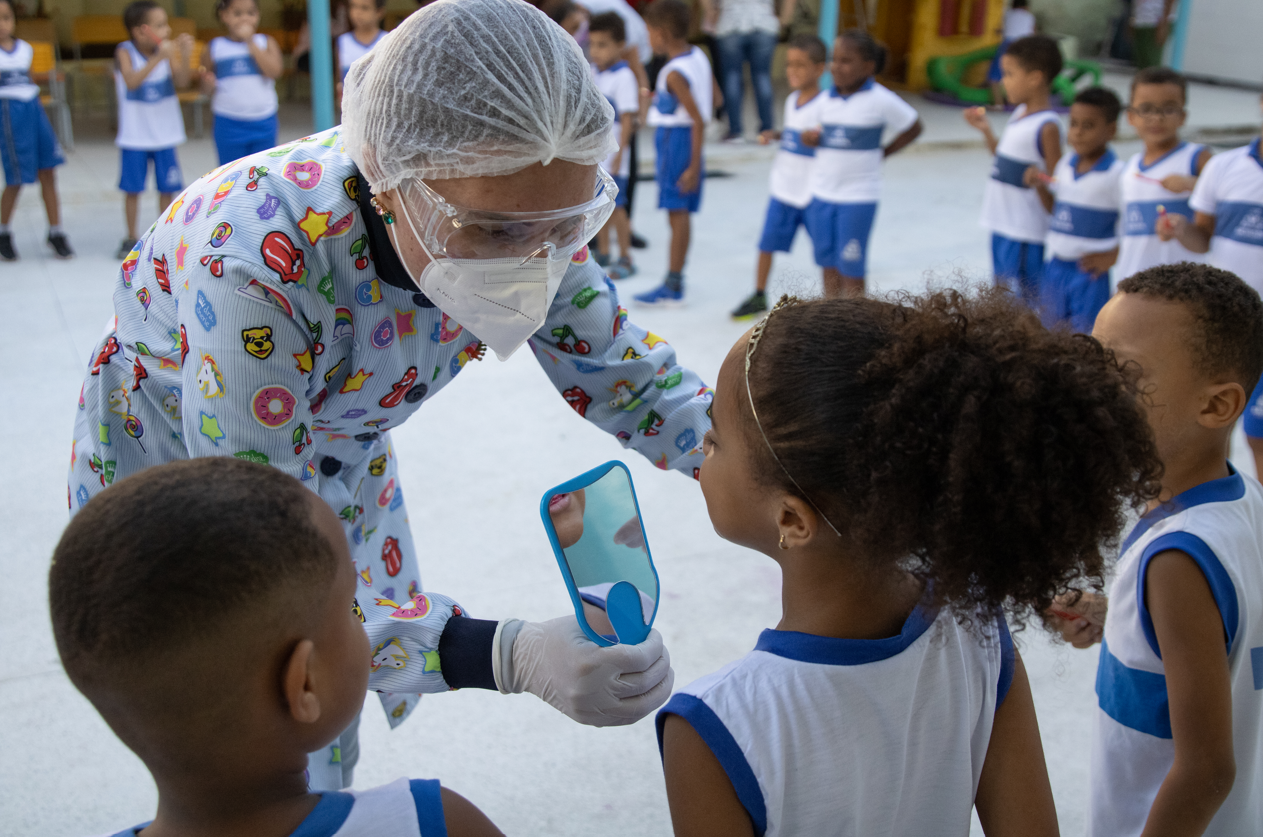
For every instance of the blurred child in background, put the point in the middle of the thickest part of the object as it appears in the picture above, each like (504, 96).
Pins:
(239, 73)
(615, 79)
(366, 30)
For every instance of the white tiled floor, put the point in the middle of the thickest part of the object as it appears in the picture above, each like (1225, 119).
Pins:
(480, 458)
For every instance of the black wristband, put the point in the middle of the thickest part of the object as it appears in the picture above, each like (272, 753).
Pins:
(465, 653)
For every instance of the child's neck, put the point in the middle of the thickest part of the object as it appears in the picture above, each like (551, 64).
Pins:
(1037, 102)
(806, 93)
(1090, 159)
(1200, 462)
(200, 806)
(605, 68)
(855, 88)
(678, 48)
(144, 49)
(1160, 148)
(366, 36)
(7, 42)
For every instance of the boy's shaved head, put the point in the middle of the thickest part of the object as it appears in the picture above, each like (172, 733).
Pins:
(172, 587)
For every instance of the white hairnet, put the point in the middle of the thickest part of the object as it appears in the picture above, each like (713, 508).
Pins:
(467, 88)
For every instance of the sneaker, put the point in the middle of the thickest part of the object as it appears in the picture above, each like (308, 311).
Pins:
(638, 241)
(60, 245)
(126, 247)
(622, 269)
(751, 308)
(6, 248)
(602, 259)
(661, 296)
(733, 139)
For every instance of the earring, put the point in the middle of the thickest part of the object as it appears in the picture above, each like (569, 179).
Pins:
(386, 214)
(783, 546)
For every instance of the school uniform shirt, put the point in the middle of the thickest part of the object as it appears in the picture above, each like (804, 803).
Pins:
(1142, 191)
(849, 157)
(855, 737)
(619, 85)
(1231, 189)
(351, 50)
(1085, 215)
(1018, 23)
(666, 111)
(15, 72)
(403, 808)
(242, 92)
(1217, 524)
(149, 117)
(265, 315)
(1010, 208)
(790, 181)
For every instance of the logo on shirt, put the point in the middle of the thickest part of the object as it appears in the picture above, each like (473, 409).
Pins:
(1251, 226)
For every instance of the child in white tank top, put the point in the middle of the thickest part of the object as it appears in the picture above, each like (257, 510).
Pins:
(890, 699)
(365, 17)
(239, 72)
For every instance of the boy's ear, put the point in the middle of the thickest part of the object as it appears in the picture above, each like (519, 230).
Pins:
(299, 683)
(1224, 405)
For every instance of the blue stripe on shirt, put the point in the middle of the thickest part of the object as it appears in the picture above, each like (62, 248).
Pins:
(1240, 221)
(14, 77)
(1010, 171)
(1141, 217)
(152, 91)
(792, 141)
(851, 137)
(327, 817)
(240, 65)
(1083, 221)
(1135, 698)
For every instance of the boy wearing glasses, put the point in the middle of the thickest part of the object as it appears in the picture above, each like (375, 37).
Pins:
(1158, 181)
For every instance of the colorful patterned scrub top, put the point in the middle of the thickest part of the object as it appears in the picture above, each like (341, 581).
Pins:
(265, 315)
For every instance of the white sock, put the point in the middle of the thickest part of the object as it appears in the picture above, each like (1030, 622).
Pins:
(4, 229)
(56, 230)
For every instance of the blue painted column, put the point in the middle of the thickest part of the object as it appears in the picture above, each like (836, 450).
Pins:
(828, 31)
(1180, 34)
(321, 64)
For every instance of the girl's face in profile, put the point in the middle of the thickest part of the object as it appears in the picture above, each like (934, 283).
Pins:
(566, 513)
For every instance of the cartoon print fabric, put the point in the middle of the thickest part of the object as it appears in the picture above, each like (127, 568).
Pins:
(251, 321)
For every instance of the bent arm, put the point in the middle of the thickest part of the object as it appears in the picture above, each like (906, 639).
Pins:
(268, 59)
(1050, 140)
(905, 139)
(133, 77)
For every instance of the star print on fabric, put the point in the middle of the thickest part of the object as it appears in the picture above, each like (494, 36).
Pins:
(314, 224)
(103, 433)
(405, 324)
(651, 340)
(181, 250)
(354, 382)
(304, 361)
(210, 428)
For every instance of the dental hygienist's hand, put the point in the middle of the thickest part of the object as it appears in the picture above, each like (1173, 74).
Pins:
(594, 685)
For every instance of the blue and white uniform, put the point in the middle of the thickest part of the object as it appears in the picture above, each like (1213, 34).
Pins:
(847, 736)
(351, 50)
(27, 141)
(150, 126)
(618, 84)
(674, 135)
(245, 101)
(1140, 247)
(404, 808)
(1011, 209)
(790, 181)
(846, 177)
(1217, 524)
(1084, 220)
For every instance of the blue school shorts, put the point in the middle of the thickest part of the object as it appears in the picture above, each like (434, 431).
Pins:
(621, 183)
(780, 226)
(1018, 266)
(235, 138)
(1069, 295)
(675, 152)
(134, 170)
(839, 234)
(27, 141)
(1252, 418)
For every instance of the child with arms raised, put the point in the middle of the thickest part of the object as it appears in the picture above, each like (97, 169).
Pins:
(1179, 735)
(223, 648)
(239, 73)
(916, 469)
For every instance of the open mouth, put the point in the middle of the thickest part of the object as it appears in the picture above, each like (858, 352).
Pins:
(558, 502)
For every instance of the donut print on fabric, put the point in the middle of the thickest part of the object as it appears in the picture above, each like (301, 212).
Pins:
(274, 406)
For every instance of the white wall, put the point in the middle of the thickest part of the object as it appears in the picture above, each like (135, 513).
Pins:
(1223, 40)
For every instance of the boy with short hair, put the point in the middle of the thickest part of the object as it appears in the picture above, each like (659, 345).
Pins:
(222, 648)
(147, 70)
(617, 82)
(1083, 199)
(1032, 137)
(682, 107)
(790, 180)
(1157, 182)
(365, 17)
(1180, 727)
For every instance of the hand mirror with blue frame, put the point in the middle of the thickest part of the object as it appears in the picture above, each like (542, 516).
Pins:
(593, 522)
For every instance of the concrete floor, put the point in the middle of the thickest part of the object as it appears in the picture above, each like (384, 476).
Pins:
(531, 769)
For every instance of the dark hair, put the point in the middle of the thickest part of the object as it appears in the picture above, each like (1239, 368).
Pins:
(1227, 313)
(869, 48)
(812, 45)
(610, 23)
(1160, 75)
(221, 6)
(137, 14)
(957, 437)
(1037, 52)
(1103, 99)
(561, 10)
(1018, 4)
(671, 15)
(176, 553)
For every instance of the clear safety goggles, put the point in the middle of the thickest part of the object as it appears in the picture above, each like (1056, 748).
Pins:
(455, 232)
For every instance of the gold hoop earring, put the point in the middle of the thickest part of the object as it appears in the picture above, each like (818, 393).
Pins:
(386, 214)
(783, 546)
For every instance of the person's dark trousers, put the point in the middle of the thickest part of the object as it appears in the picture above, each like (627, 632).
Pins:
(755, 49)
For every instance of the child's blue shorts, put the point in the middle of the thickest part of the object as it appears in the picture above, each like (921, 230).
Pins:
(27, 141)
(621, 183)
(780, 226)
(675, 152)
(1252, 418)
(1018, 266)
(839, 233)
(1069, 295)
(134, 170)
(235, 138)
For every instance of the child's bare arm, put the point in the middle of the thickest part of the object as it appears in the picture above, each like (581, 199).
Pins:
(678, 87)
(1190, 632)
(1080, 622)
(1050, 141)
(268, 58)
(1185, 182)
(1195, 236)
(208, 72)
(699, 792)
(627, 128)
(1036, 179)
(134, 77)
(464, 819)
(1014, 795)
(182, 60)
(905, 139)
(977, 117)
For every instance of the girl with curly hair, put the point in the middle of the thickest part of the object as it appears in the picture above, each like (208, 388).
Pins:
(924, 470)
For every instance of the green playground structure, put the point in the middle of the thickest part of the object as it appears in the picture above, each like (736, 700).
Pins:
(947, 75)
